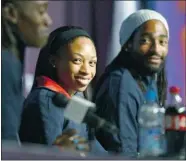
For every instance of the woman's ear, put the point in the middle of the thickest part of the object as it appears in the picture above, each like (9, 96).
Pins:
(52, 61)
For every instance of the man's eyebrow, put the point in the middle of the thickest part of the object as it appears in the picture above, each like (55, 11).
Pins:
(151, 34)
(164, 36)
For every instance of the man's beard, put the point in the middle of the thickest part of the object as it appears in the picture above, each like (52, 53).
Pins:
(153, 69)
(144, 66)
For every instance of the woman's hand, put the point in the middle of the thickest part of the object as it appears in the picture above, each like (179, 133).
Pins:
(70, 140)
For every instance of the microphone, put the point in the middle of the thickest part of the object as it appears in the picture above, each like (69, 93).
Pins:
(81, 110)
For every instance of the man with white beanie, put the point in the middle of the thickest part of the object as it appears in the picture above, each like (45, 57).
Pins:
(140, 65)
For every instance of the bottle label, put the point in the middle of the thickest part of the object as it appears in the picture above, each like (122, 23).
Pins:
(151, 141)
(177, 123)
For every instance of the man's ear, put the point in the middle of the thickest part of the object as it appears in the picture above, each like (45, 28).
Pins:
(10, 13)
(127, 47)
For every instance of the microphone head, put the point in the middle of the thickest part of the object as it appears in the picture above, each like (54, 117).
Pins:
(60, 100)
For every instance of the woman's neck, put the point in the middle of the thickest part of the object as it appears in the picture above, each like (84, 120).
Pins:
(68, 90)
(71, 92)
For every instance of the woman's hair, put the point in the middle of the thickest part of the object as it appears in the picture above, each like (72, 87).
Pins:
(44, 66)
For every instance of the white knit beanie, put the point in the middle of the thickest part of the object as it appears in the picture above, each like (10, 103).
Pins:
(136, 19)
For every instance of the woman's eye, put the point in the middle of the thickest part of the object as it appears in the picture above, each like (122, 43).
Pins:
(93, 63)
(77, 61)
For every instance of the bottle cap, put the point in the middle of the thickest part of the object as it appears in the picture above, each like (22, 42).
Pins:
(174, 90)
(151, 95)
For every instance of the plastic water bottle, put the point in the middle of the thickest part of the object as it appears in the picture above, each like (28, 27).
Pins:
(151, 131)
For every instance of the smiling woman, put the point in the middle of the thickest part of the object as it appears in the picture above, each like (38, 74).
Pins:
(66, 65)
(77, 66)
(69, 58)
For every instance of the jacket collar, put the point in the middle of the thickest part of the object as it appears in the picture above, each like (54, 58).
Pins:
(43, 81)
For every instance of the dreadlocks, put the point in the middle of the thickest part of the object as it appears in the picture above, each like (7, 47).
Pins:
(162, 86)
(8, 38)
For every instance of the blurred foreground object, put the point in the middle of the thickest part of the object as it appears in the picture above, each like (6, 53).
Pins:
(11, 150)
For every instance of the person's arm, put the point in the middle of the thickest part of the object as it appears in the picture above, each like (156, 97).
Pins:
(11, 98)
(119, 106)
(41, 121)
(52, 118)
